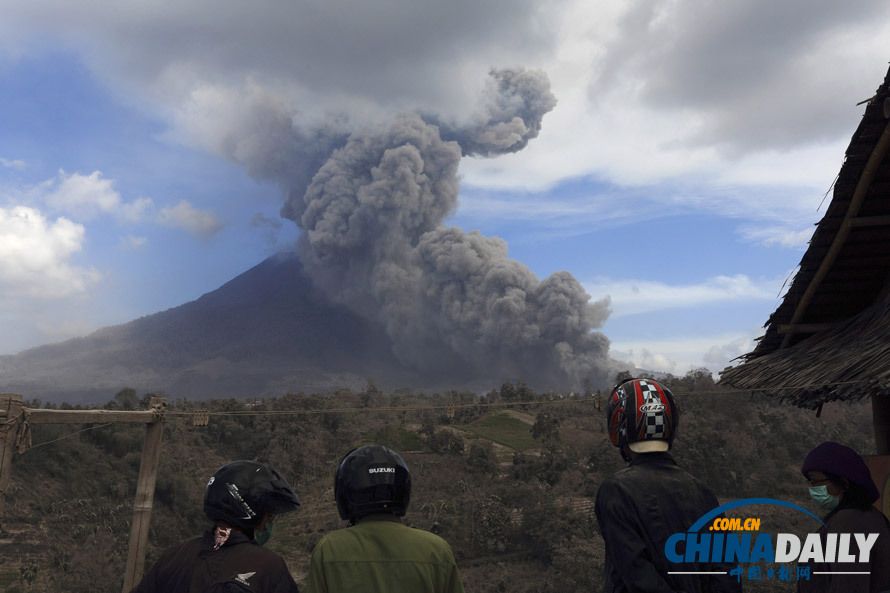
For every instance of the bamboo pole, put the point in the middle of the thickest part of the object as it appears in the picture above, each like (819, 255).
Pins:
(38, 416)
(145, 489)
(865, 179)
(10, 412)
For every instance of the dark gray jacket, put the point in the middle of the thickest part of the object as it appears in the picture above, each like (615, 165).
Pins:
(239, 566)
(638, 508)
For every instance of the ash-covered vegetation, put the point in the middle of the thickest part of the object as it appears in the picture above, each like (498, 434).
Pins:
(507, 478)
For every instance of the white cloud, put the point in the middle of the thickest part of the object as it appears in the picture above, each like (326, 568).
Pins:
(12, 164)
(261, 221)
(86, 196)
(720, 356)
(56, 330)
(83, 196)
(678, 355)
(777, 235)
(675, 120)
(703, 104)
(200, 223)
(558, 214)
(133, 242)
(339, 55)
(770, 216)
(35, 254)
(630, 297)
(136, 210)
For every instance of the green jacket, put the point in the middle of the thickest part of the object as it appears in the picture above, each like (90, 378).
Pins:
(380, 555)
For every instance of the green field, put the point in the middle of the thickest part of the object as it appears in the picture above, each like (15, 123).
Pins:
(397, 438)
(503, 429)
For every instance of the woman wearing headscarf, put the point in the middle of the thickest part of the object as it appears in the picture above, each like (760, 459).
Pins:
(841, 484)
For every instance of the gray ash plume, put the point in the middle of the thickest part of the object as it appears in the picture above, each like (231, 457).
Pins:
(373, 238)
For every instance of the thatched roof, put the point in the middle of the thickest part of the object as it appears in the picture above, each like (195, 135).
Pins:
(829, 338)
(850, 361)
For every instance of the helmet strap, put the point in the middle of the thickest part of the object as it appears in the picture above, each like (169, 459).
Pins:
(624, 455)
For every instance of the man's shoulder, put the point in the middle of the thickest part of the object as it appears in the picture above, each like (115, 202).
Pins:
(183, 549)
(426, 536)
(638, 478)
(388, 529)
(396, 529)
(249, 551)
(641, 473)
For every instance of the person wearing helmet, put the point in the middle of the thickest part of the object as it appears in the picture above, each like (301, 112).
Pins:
(376, 553)
(841, 484)
(639, 507)
(242, 499)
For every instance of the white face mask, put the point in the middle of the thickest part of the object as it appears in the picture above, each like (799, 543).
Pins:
(825, 500)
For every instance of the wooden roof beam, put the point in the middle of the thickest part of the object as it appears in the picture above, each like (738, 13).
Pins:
(868, 174)
(867, 221)
(805, 328)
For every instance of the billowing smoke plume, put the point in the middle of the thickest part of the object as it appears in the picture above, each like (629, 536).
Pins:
(510, 114)
(374, 239)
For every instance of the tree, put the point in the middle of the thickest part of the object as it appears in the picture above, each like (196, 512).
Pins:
(552, 463)
(508, 392)
(445, 441)
(699, 379)
(524, 393)
(623, 376)
(125, 399)
(546, 427)
(482, 458)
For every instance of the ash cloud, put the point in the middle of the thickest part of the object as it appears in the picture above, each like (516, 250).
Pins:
(373, 238)
(509, 115)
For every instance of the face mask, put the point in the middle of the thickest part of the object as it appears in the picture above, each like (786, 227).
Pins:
(823, 498)
(261, 537)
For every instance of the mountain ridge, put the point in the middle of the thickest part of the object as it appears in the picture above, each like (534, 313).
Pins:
(268, 331)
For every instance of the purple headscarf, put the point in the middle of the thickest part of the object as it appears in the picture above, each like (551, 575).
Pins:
(841, 461)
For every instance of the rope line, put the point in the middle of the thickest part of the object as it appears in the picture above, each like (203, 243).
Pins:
(381, 408)
(595, 399)
(586, 400)
(67, 436)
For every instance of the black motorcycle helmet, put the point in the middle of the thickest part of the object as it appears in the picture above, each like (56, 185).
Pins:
(372, 479)
(242, 492)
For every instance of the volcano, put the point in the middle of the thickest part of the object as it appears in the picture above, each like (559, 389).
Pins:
(267, 332)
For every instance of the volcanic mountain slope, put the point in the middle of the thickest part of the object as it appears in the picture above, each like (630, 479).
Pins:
(266, 332)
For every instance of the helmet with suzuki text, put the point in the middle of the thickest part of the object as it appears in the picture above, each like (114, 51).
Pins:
(372, 479)
(642, 415)
(241, 493)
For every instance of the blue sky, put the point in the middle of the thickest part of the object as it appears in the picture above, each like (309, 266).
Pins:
(679, 175)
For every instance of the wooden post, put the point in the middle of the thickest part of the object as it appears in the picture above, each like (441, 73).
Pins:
(145, 491)
(10, 412)
(880, 409)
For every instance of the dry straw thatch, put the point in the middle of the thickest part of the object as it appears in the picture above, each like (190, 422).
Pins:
(848, 362)
(830, 337)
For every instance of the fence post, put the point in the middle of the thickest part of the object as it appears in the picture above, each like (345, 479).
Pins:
(145, 491)
(10, 412)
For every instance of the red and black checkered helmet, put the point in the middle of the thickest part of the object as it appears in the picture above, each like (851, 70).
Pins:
(643, 415)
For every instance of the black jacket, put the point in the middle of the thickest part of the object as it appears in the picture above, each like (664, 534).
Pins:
(638, 508)
(238, 566)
